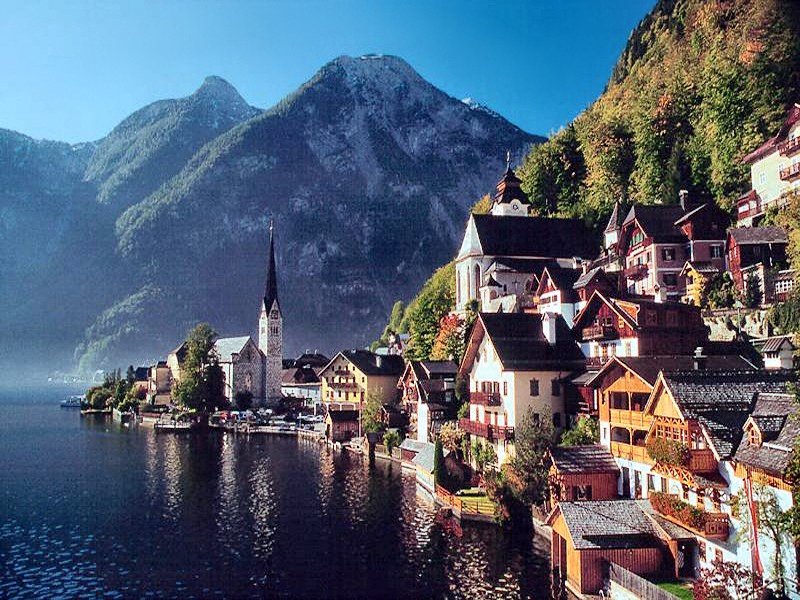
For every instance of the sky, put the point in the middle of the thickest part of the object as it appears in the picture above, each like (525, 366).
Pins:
(71, 70)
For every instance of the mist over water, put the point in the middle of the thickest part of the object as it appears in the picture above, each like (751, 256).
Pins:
(87, 508)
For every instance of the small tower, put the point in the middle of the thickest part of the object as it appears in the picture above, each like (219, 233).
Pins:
(509, 200)
(270, 327)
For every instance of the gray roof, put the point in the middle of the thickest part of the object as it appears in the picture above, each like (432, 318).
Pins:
(424, 457)
(775, 415)
(609, 524)
(413, 445)
(232, 345)
(583, 459)
(759, 235)
(723, 400)
(774, 344)
(585, 278)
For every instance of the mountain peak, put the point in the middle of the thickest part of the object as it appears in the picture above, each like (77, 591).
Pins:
(216, 87)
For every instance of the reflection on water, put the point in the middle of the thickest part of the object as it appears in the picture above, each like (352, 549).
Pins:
(91, 509)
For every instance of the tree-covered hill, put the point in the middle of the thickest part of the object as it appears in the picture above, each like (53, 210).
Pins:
(700, 84)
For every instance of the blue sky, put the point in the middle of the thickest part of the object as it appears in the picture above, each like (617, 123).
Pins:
(71, 70)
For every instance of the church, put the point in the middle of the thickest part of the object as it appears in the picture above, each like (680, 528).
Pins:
(253, 368)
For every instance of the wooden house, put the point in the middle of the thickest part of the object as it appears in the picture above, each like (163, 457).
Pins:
(696, 276)
(427, 389)
(586, 536)
(342, 425)
(749, 246)
(580, 473)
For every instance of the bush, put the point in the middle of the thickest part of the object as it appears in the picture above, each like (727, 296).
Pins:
(391, 439)
(668, 452)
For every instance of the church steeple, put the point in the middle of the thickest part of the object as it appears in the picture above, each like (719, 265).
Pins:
(509, 199)
(271, 287)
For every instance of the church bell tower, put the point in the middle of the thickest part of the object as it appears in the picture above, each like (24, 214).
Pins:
(270, 328)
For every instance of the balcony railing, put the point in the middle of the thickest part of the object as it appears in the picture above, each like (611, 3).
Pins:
(343, 385)
(789, 147)
(484, 398)
(487, 431)
(711, 525)
(596, 362)
(631, 452)
(636, 272)
(599, 332)
(790, 172)
(631, 418)
(702, 461)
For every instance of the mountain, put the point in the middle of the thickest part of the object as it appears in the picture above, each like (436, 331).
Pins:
(367, 169)
(698, 86)
(154, 143)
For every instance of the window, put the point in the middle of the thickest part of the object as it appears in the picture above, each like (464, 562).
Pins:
(716, 251)
(668, 254)
(670, 279)
(505, 388)
(534, 387)
(555, 387)
(556, 419)
(762, 178)
(651, 482)
(582, 492)
(535, 418)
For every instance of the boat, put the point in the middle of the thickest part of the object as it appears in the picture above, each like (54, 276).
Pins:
(73, 402)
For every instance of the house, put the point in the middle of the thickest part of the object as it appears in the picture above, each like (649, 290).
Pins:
(159, 383)
(423, 462)
(302, 383)
(594, 279)
(778, 351)
(515, 363)
(609, 327)
(698, 421)
(761, 463)
(352, 375)
(242, 366)
(315, 360)
(623, 387)
(657, 240)
(697, 275)
(427, 389)
(342, 425)
(750, 246)
(586, 536)
(511, 249)
(556, 292)
(580, 473)
(774, 171)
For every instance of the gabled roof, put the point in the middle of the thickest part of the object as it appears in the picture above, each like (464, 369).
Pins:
(775, 343)
(657, 221)
(759, 235)
(439, 367)
(370, 363)
(647, 368)
(616, 218)
(271, 285)
(583, 459)
(518, 339)
(721, 401)
(600, 524)
(704, 267)
(586, 278)
(533, 237)
(772, 143)
(226, 347)
(299, 375)
(526, 266)
(775, 417)
(563, 280)
(629, 310)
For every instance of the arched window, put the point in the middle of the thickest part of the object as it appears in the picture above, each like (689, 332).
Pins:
(458, 287)
(477, 279)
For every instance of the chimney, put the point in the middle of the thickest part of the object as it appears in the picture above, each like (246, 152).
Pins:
(659, 294)
(683, 197)
(584, 268)
(378, 360)
(549, 327)
(699, 359)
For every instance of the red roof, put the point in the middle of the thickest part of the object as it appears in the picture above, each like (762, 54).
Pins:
(772, 143)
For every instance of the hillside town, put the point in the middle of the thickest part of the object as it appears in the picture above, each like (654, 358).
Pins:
(693, 424)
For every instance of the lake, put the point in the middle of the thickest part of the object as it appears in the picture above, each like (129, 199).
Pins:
(88, 509)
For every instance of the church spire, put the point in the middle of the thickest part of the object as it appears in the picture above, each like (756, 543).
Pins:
(271, 287)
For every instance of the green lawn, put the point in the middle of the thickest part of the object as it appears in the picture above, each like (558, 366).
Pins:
(681, 590)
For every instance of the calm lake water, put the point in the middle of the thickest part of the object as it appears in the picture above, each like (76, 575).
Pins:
(90, 509)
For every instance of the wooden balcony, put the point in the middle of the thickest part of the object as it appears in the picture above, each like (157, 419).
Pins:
(487, 431)
(485, 399)
(749, 206)
(343, 385)
(595, 362)
(790, 173)
(702, 461)
(599, 332)
(630, 418)
(636, 272)
(503, 433)
(710, 525)
(789, 147)
(630, 452)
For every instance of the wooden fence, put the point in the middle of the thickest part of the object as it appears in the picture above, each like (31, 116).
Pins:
(467, 506)
(638, 586)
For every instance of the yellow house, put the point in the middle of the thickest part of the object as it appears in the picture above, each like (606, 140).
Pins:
(352, 374)
(698, 275)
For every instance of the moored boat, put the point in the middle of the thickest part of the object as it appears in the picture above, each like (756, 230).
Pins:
(73, 402)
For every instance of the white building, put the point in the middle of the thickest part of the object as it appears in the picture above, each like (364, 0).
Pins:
(516, 362)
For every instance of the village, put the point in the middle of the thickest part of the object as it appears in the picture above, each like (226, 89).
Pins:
(691, 411)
